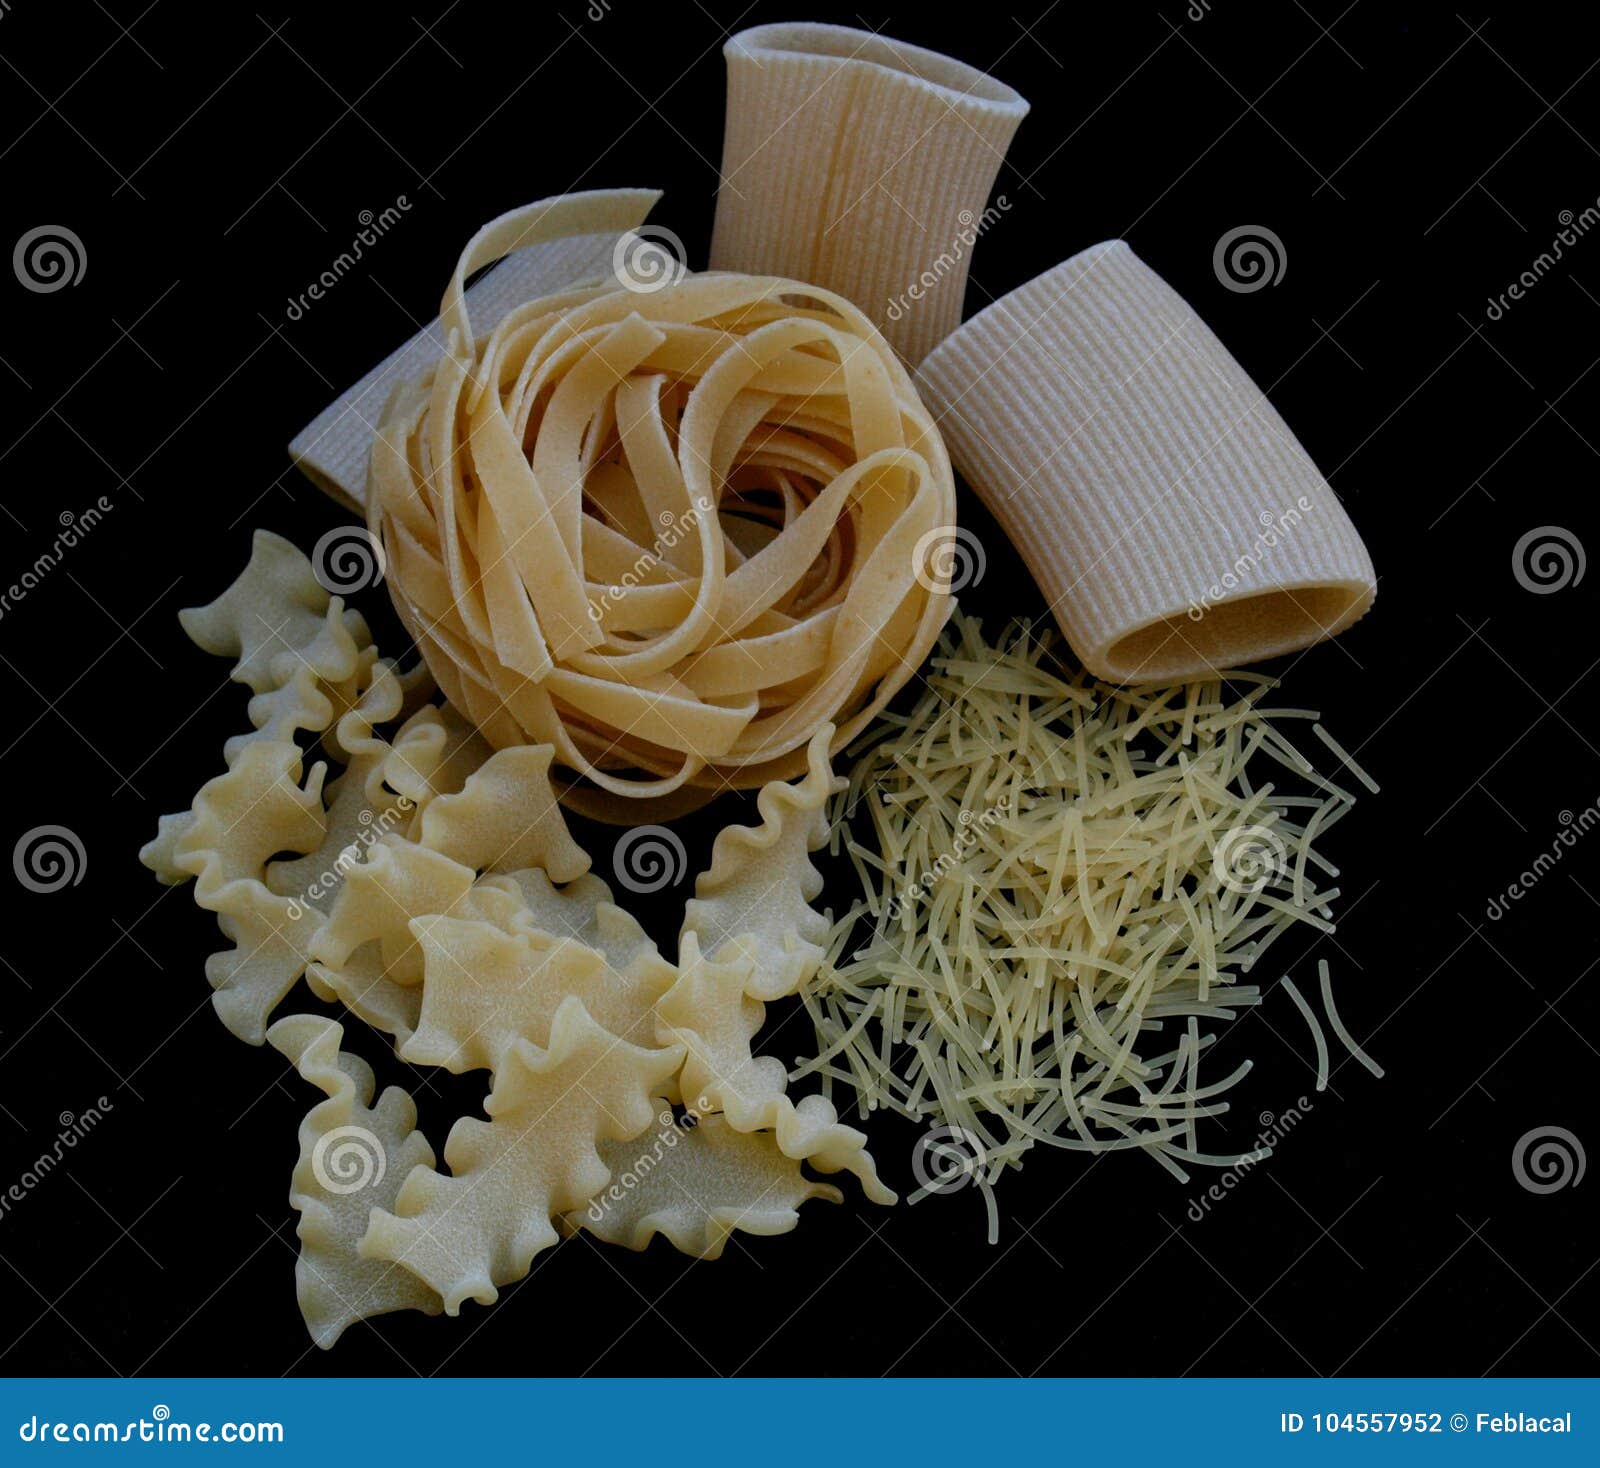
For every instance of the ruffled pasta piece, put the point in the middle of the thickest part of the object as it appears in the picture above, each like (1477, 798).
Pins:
(275, 619)
(353, 1158)
(582, 910)
(506, 817)
(434, 753)
(862, 164)
(755, 897)
(670, 532)
(709, 1013)
(359, 806)
(397, 882)
(1174, 522)
(240, 820)
(697, 1185)
(574, 240)
(486, 989)
(480, 1227)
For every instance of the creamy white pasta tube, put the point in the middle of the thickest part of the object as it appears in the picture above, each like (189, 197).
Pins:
(1166, 510)
(863, 165)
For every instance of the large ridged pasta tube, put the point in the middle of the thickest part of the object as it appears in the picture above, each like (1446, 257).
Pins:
(863, 165)
(672, 527)
(1166, 510)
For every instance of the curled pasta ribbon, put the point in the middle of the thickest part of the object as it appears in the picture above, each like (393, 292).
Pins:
(672, 528)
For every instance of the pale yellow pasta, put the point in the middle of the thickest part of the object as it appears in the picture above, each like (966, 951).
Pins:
(468, 1233)
(697, 1185)
(670, 532)
(709, 1013)
(754, 900)
(353, 1157)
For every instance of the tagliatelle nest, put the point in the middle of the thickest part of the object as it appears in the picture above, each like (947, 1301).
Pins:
(672, 529)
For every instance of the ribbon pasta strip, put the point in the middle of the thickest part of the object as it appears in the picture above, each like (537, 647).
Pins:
(1168, 513)
(671, 532)
(574, 243)
(862, 164)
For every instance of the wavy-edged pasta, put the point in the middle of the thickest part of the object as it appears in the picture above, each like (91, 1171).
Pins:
(754, 900)
(697, 1185)
(354, 1156)
(469, 1232)
(671, 532)
(429, 884)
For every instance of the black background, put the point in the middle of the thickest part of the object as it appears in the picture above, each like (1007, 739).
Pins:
(1413, 164)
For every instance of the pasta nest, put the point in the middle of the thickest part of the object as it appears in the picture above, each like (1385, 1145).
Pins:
(671, 531)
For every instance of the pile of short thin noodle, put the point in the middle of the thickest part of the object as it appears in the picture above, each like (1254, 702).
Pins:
(1068, 878)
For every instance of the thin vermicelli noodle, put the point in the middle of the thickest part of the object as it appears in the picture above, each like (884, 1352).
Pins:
(1066, 880)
